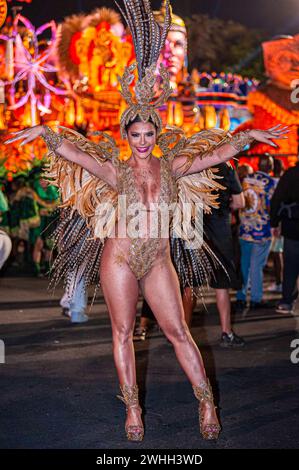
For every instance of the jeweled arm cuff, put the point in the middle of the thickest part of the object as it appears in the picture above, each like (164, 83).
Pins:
(241, 139)
(52, 139)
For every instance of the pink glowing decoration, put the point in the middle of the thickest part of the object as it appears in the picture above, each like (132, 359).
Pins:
(31, 67)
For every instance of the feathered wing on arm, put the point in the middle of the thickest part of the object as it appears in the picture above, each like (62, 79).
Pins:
(199, 188)
(80, 190)
(194, 260)
(199, 146)
(88, 211)
(196, 189)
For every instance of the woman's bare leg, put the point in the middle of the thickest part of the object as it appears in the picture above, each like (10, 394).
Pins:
(162, 292)
(120, 289)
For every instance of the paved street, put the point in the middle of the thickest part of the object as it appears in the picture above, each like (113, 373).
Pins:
(59, 386)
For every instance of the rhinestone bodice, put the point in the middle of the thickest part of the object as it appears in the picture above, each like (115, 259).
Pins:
(143, 250)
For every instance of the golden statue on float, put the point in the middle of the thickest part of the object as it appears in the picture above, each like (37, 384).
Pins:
(92, 50)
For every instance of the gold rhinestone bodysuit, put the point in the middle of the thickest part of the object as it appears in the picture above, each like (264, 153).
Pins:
(143, 251)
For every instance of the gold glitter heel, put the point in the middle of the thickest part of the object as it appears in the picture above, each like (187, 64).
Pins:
(204, 395)
(130, 399)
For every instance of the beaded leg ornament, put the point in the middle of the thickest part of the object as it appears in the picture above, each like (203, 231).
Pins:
(130, 399)
(204, 395)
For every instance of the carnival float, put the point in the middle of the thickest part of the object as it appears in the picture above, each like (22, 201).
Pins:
(66, 75)
(277, 101)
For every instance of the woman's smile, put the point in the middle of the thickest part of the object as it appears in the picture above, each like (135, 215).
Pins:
(143, 149)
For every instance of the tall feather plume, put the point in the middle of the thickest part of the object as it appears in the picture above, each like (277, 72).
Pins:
(148, 36)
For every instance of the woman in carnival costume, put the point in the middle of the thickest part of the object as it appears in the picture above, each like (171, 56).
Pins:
(91, 177)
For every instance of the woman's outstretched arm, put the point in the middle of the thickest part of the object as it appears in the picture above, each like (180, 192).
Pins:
(228, 150)
(69, 151)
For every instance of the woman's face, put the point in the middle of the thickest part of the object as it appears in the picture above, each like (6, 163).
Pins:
(142, 138)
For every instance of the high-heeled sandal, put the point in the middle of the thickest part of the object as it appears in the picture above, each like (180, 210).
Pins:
(204, 395)
(130, 399)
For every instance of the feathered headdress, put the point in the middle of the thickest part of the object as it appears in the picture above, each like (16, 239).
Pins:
(177, 23)
(148, 38)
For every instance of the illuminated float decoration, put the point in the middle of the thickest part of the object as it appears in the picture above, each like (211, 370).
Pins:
(28, 84)
(277, 102)
(3, 11)
(92, 50)
(70, 79)
(202, 100)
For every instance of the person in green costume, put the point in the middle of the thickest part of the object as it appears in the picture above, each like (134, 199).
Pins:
(46, 197)
(5, 241)
(3, 210)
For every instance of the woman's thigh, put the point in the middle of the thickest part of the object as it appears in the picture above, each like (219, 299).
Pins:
(161, 290)
(120, 289)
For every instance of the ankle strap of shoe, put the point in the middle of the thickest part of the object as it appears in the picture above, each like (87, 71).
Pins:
(130, 396)
(203, 392)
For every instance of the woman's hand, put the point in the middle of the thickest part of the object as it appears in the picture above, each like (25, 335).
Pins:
(265, 136)
(28, 134)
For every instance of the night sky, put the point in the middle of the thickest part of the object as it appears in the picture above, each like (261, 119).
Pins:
(274, 16)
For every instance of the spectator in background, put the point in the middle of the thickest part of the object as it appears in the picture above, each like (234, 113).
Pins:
(217, 227)
(147, 322)
(5, 247)
(277, 242)
(74, 300)
(5, 241)
(278, 169)
(46, 197)
(74, 305)
(285, 222)
(244, 170)
(255, 232)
